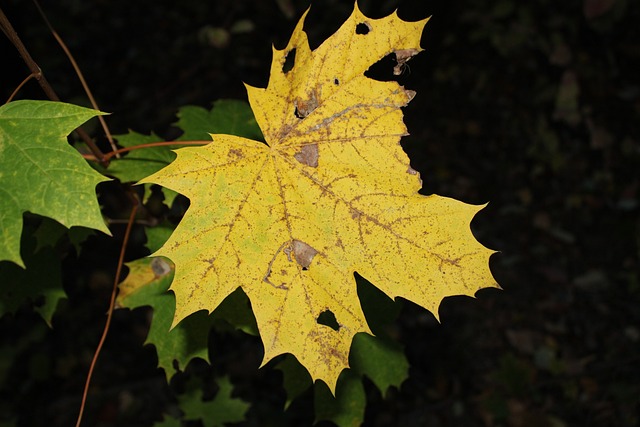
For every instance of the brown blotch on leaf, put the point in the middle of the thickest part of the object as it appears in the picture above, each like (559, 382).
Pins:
(303, 253)
(235, 153)
(305, 107)
(410, 94)
(412, 171)
(308, 155)
(402, 57)
(160, 267)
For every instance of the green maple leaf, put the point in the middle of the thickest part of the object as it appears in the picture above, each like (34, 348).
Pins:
(346, 408)
(147, 284)
(137, 164)
(229, 116)
(214, 413)
(39, 283)
(196, 123)
(41, 173)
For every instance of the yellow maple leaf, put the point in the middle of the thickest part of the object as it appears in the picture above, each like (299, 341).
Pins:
(331, 193)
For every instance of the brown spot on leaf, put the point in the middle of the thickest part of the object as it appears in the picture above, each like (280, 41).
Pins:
(160, 267)
(304, 107)
(402, 57)
(412, 171)
(410, 94)
(303, 253)
(235, 153)
(308, 155)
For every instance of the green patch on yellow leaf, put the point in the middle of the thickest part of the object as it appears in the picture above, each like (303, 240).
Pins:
(331, 193)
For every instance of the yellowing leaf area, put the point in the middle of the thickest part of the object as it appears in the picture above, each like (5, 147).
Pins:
(330, 194)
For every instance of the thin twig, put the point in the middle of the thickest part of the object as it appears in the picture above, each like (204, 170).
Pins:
(108, 156)
(11, 34)
(67, 52)
(112, 302)
(15, 92)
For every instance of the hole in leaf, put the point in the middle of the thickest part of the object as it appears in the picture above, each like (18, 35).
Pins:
(327, 318)
(336, 82)
(383, 70)
(304, 107)
(363, 28)
(402, 57)
(289, 61)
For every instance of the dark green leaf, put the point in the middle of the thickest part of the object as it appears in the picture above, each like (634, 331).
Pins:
(147, 285)
(381, 360)
(346, 409)
(295, 378)
(227, 116)
(214, 413)
(39, 284)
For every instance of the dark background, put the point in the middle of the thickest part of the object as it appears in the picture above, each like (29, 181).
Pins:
(531, 106)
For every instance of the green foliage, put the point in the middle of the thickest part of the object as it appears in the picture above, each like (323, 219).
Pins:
(346, 409)
(38, 285)
(148, 279)
(223, 408)
(147, 285)
(196, 124)
(382, 360)
(216, 412)
(296, 379)
(34, 153)
(228, 116)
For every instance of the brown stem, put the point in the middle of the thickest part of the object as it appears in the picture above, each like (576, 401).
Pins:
(15, 92)
(112, 302)
(148, 145)
(85, 86)
(11, 34)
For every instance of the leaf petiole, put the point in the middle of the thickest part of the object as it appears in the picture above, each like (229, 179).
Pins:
(111, 154)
